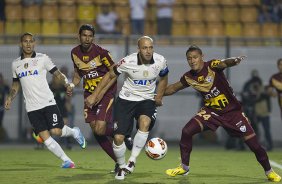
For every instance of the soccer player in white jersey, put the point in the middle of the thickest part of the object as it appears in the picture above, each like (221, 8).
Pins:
(29, 72)
(137, 99)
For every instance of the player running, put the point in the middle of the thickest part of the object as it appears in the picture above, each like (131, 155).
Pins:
(137, 99)
(221, 108)
(29, 73)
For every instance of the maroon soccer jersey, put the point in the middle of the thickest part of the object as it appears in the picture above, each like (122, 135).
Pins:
(92, 66)
(213, 86)
(276, 82)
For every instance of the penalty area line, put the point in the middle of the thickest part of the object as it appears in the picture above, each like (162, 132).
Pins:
(275, 164)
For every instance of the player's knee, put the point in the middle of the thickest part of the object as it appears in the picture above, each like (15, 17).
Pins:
(144, 126)
(99, 130)
(56, 131)
(118, 139)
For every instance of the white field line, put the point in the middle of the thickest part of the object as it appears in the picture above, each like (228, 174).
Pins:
(275, 164)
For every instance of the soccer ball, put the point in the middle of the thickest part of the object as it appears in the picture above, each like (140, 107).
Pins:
(156, 148)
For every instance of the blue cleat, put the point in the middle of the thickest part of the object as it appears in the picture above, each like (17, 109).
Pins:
(80, 138)
(68, 165)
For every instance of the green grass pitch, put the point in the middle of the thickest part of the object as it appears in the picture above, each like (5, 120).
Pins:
(24, 165)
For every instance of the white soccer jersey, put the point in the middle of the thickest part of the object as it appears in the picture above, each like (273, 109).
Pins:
(140, 82)
(32, 75)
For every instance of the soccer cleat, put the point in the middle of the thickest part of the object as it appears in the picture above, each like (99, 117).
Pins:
(177, 171)
(116, 169)
(129, 168)
(120, 174)
(80, 138)
(68, 164)
(128, 143)
(273, 176)
(37, 138)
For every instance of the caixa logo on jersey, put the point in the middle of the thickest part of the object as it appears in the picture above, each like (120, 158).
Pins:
(27, 73)
(143, 82)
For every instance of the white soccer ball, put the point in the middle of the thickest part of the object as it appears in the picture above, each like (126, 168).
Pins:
(156, 148)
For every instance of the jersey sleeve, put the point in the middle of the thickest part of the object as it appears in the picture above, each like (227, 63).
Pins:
(15, 76)
(164, 71)
(120, 67)
(213, 65)
(48, 63)
(183, 81)
(107, 58)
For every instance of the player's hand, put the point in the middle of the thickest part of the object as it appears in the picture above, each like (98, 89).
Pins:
(69, 89)
(91, 100)
(8, 103)
(239, 59)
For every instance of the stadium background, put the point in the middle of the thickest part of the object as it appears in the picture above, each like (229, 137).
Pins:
(222, 28)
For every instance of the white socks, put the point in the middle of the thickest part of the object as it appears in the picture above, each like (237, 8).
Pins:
(67, 132)
(119, 152)
(56, 149)
(139, 142)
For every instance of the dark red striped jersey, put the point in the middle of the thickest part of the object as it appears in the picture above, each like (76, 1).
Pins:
(213, 86)
(276, 82)
(92, 66)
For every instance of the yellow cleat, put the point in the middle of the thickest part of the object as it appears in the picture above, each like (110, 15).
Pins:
(177, 171)
(273, 176)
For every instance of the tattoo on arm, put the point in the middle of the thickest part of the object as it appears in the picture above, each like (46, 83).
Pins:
(14, 90)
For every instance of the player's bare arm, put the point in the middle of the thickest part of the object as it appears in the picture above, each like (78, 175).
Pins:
(75, 81)
(106, 82)
(161, 90)
(58, 74)
(173, 88)
(13, 93)
(229, 62)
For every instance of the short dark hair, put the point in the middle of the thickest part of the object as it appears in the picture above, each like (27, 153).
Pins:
(88, 27)
(279, 61)
(26, 34)
(193, 48)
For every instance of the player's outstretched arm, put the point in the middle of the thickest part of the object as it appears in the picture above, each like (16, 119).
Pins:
(229, 62)
(106, 82)
(12, 94)
(161, 90)
(173, 88)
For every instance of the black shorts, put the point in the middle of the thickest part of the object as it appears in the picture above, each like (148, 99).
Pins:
(125, 111)
(45, 119)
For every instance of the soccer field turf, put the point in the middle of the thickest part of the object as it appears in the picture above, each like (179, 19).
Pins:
(24, 165)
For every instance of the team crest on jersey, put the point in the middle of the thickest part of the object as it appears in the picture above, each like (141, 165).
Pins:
(145, 73)
(209, 79)
(85, 58)
(26, 65)
(201, 78)
(243, 128)
(93, 64)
